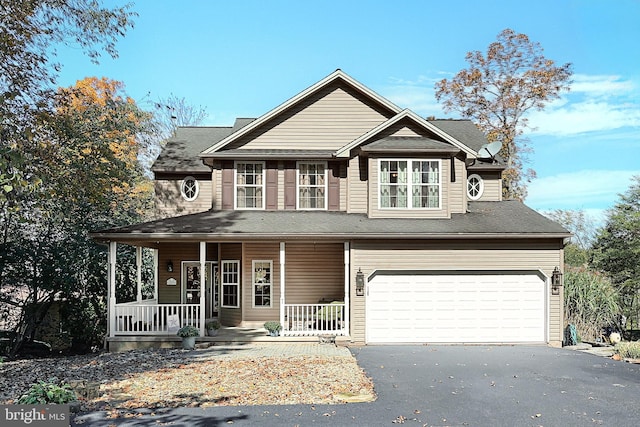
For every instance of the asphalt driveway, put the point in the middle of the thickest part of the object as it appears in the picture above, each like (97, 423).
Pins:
(451, 386)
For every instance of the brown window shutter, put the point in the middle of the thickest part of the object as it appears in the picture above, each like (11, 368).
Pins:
(290, 185)
(271, 201)
(227, 185)
(334, 187)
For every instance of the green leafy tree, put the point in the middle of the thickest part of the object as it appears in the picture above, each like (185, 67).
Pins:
(583, 228)
(30, 31)
(616, 250)
(496, 92)
(87, 155)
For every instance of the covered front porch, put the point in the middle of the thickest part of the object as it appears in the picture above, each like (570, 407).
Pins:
(202, 279)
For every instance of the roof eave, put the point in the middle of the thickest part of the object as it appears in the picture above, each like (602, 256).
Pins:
(236, 155)
(234, 237)
(448, 152)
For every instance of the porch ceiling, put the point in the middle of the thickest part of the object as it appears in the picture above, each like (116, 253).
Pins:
(484, 220)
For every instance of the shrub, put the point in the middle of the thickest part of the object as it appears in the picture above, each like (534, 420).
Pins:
(273, 326)
(212, 324)
(51, 391)
(628, 350)
(188, 331)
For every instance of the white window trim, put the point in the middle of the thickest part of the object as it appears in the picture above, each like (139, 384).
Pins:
(410, 185)
(326, 186)
(182, 189)
(235, 184)
(254, 283)
(223, 283)
(480, 189)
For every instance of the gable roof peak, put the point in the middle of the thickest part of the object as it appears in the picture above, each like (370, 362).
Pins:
(338, 74)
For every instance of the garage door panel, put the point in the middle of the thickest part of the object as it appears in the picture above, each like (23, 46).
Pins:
(456, 308)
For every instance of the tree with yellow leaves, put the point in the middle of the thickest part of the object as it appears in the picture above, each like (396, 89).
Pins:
(86, 153)
(496, 92)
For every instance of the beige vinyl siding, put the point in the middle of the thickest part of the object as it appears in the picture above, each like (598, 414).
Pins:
(169, 201)
(314, 272)
(356, 187)
(268, 251)
(176, 253)
(327, 120)
(492, 186)
(458, 189)
(458, 255)
(216, 185)
(232, 316)
(406, 131)
(375, 212)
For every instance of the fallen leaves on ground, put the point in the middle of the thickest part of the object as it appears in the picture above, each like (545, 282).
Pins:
(157, 379)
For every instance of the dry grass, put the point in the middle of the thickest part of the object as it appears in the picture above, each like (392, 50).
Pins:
(628, 350)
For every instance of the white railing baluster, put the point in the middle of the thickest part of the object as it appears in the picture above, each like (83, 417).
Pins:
(314, 319)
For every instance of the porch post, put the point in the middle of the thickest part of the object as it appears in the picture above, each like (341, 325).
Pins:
(111, 288)
(282, 281)
(347, 280)
(155, 275)
(139, 273)
(203, 262)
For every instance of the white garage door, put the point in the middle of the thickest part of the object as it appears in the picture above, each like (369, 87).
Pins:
(455, 308)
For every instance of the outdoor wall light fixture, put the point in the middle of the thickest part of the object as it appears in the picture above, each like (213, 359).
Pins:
(169, 266)
(359, 283)
(556, 281)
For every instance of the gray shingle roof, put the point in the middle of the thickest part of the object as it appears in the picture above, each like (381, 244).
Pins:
(409, 144)
(462, 130)
(507, 219)
(182, 152)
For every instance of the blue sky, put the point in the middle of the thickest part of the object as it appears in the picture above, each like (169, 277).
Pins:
(243, 58)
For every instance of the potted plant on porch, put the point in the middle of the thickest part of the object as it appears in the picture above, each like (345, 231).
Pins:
(188, 334)
(212, 327)
(273, 327)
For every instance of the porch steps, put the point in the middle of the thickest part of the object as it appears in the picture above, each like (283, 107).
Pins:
(226, 335)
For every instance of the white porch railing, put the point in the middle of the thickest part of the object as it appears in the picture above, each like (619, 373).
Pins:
(314, 319)
(151, 318)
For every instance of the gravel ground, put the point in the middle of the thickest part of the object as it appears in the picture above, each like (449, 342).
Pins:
(199, 378)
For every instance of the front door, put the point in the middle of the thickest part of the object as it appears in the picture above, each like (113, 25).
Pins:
(212, 297)
(191, 278)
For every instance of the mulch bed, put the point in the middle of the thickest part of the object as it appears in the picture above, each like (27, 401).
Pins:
(169, 378)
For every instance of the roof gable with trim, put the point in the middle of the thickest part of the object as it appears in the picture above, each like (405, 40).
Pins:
(334, 104)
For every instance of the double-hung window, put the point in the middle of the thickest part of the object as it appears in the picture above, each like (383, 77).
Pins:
(312, 185)
(409, 184)
(262, 284)
(230, 282)
(249, 185)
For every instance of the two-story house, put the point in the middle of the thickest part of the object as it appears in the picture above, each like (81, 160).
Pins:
(338, 212)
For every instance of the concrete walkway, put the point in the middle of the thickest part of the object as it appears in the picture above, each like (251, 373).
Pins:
(268, 349)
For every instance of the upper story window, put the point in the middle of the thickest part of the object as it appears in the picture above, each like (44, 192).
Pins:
(249, 185)
(475, 187)
(189, 189)
(409, 184)
(312, 185)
